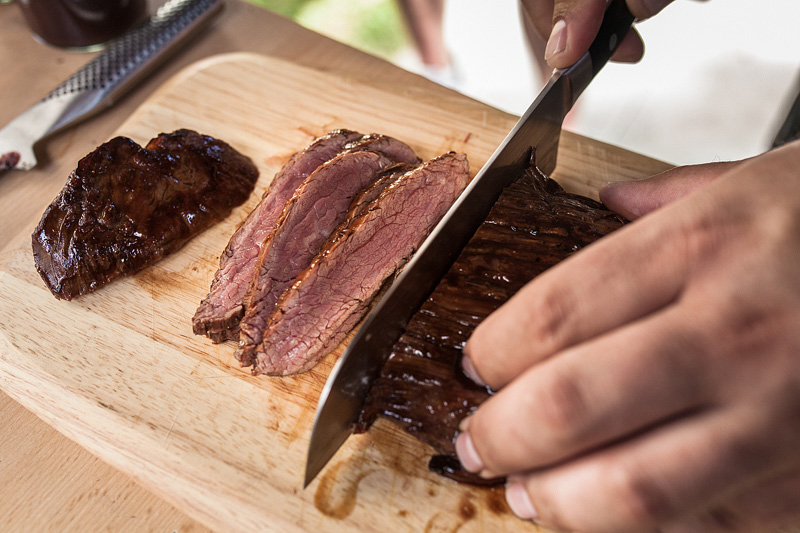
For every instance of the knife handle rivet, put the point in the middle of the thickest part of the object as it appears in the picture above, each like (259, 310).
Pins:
(612, 41)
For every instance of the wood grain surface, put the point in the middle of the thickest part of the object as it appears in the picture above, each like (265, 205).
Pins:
(120, 372)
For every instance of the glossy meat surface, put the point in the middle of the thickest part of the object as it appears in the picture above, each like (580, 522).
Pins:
(125, 207)
(533, 226)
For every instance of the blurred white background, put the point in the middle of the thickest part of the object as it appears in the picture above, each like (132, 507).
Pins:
(715, 83)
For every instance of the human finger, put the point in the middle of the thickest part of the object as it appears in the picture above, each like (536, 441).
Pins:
(644, 9)
(574, 26)
(767, 505)
(576, 23)
(651, 479)
(633, 199)
(584, 296)
(581, 399)
(539, 16)
(553, 312)
(630, 49)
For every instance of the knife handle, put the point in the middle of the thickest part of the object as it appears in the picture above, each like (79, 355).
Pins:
(125, 60)
(616, 24)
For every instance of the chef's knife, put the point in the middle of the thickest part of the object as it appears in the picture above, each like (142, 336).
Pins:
(343, 396)
(123, 62)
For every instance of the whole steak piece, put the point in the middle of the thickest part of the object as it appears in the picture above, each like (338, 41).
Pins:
(331, 296)
(534, 225)
(125, 207)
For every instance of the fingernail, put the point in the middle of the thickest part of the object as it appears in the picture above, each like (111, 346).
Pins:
(469, 370)
(467, 454)
(518, 500)
(557, 42)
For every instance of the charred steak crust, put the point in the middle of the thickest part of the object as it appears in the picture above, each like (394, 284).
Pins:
(125, 207)
(330, 296)
(534, 225)
(221, 310)
(307, 220)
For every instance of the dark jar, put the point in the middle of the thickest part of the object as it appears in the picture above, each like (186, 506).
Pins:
(81, 23)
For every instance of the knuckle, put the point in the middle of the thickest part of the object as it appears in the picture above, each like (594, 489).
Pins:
(550, 319)
(642, 501)
(704, 235)
(563, 405)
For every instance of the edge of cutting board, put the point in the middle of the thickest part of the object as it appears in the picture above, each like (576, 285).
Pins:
(120, 373)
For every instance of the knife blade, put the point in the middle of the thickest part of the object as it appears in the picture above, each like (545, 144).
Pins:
(342, 398)
(123, 62)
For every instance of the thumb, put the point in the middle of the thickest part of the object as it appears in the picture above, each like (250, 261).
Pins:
(634, 199)
(575, 25)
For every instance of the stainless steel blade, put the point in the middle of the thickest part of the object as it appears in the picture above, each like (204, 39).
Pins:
(539, 129)
(123, 62)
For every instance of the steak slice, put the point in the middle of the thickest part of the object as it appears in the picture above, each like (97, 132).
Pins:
(362, 201)
(307, 220)
(330, 296)
(221, 310)
(534, 225)
(389, 146)
(125, 207)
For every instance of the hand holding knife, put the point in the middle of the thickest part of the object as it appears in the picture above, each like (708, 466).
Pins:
(539, 129)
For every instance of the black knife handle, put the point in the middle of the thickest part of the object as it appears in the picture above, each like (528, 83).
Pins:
(616, 24)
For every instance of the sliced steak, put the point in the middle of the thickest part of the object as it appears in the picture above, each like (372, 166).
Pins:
(330, 296)
(221, 310)
(389, 146)
(307, 220)
(533, 226)
(125, 207)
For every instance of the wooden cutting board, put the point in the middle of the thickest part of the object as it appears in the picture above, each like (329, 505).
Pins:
(120, 372)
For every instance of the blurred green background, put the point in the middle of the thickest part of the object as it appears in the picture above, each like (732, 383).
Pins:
(375, 26)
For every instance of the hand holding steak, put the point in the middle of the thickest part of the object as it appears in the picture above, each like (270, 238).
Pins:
(533, 226)
(657, 371)
(125, 207)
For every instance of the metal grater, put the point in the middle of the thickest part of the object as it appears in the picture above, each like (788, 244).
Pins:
(123, 62)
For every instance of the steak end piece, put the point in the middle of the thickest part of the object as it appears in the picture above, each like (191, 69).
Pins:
(125, 207)
(534, 225)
